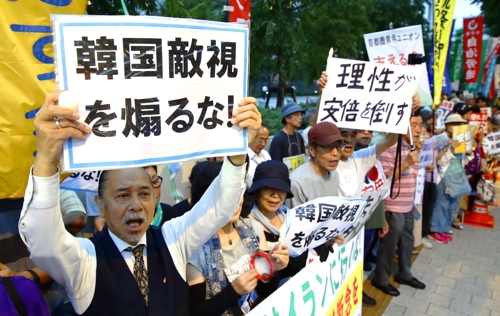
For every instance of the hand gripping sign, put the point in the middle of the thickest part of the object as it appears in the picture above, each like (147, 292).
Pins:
(154, 90)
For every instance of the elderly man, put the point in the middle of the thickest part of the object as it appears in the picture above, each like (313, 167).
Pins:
(131, 268)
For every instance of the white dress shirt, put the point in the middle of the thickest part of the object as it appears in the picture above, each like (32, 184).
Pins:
(72, 262)
(255, 160)
(129, 255)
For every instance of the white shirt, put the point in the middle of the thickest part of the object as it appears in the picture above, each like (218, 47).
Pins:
(352, 171)
(72, 262)
(255, 160)
(129, 255)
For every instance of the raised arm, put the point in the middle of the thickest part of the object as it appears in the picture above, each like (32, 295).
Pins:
(386, 143)
(68, 260)
(185, 235)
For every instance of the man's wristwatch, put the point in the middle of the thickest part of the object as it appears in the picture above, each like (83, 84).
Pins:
(36, 278)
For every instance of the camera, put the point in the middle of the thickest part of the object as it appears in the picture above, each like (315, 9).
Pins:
(416, 59)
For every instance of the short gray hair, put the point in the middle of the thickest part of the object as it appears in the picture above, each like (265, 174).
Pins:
(309, 113)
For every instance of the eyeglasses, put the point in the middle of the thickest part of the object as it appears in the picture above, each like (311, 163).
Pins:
(261, 140)
(339, 145)
(157, 182)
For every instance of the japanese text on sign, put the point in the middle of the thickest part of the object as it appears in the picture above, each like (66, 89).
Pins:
(426, 154)
(473, 41)
(491, 143)
(480, 120)
(333, 287)
(317, 221)
(375, 96)
(153, 90)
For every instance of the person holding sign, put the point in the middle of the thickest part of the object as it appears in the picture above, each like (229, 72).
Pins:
(398, 213)
(452, 184)
(222, 265)
(287, 145)
(130, 268)
(318, 177)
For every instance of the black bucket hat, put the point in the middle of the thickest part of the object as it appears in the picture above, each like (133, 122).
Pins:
(273, 174)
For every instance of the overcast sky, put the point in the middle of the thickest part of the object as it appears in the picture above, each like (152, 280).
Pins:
(464, 9)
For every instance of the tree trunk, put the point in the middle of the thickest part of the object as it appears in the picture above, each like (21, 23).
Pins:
(281, 94)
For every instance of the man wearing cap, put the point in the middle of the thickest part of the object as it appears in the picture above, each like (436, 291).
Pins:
(317, 177)
(287, 143)
(398, 213)
(463, 109)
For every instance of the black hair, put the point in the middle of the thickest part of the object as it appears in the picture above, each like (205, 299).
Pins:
(202, 175)
(264, 126)
(103, 184)
(481, 98)
(249, 200)
(416, 112)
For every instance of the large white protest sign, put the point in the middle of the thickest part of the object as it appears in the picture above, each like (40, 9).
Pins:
(333, 287)
(373, 199)
(366, 95)
(426, 154)
(491, 143)
(393, 47)
(315, 222)
(154, 90)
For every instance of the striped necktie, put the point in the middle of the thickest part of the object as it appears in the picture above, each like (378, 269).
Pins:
(140, 273)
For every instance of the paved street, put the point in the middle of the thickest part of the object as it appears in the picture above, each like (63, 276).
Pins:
(462, 277)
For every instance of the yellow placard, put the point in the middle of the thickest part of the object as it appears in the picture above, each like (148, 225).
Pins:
(27, 75)
(443, 19)
(349, 298)
(460, 135)
(294, 162)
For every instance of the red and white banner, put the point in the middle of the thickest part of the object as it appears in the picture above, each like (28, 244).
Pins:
(493, 52)
(473, 45)
(240, 10)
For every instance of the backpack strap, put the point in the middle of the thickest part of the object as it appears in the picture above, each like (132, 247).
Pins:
(14, 296)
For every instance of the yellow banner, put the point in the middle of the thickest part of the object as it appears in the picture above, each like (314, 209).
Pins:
(443, 19)
(349, 298)
(462, 135)
(26, 75)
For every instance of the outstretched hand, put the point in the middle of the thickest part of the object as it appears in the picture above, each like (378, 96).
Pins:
(50, 137)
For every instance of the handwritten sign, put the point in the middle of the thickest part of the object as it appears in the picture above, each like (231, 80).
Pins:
(154, 90)
(491, 143)
(393, 47)
(374, 179)
(419, 189)
(377, 97)
(426, 154)
(480, 120)
(333, 287)
(317, 221)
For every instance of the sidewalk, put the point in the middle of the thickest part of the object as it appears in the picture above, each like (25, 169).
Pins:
(462, 277)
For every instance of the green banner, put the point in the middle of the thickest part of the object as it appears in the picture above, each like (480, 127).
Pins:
(476, 86)
(458, 57)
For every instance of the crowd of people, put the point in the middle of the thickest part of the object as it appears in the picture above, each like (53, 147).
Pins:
(148, 257)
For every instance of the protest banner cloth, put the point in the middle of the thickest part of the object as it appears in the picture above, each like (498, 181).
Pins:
(476, 86)
(461, 134)
(154, 90)
(376, 97)
(457, 62)
(393, 47)
(480, 120)
(294, 162)
(426, 154)
(239, 10)
(27, 75)
(473, 42)
(493, 49)
(374, 179)
(490, 77)
(313, 223)
(491, 143)
(86, 181)
(373, 199)
(333, 287)
(443, 19)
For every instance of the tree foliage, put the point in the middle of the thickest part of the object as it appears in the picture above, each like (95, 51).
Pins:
(491, 11)
(114, 7)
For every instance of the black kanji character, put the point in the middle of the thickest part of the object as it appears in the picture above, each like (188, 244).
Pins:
(180, 126)
(331, 111)
(147, 59)
(147, 117)
(214, 60)
(106, 57)
(351, 111)
(86, 57)
(333, 233)
(179, 57)
(343, 75)
(356, 75)
(341, 211)
(352, 213)
(228, 60)
(325, 212)
(209, 123)
(104, 119)
(309, 239)
(297, 239)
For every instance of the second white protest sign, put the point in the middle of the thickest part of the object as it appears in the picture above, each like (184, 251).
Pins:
(364, 95)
